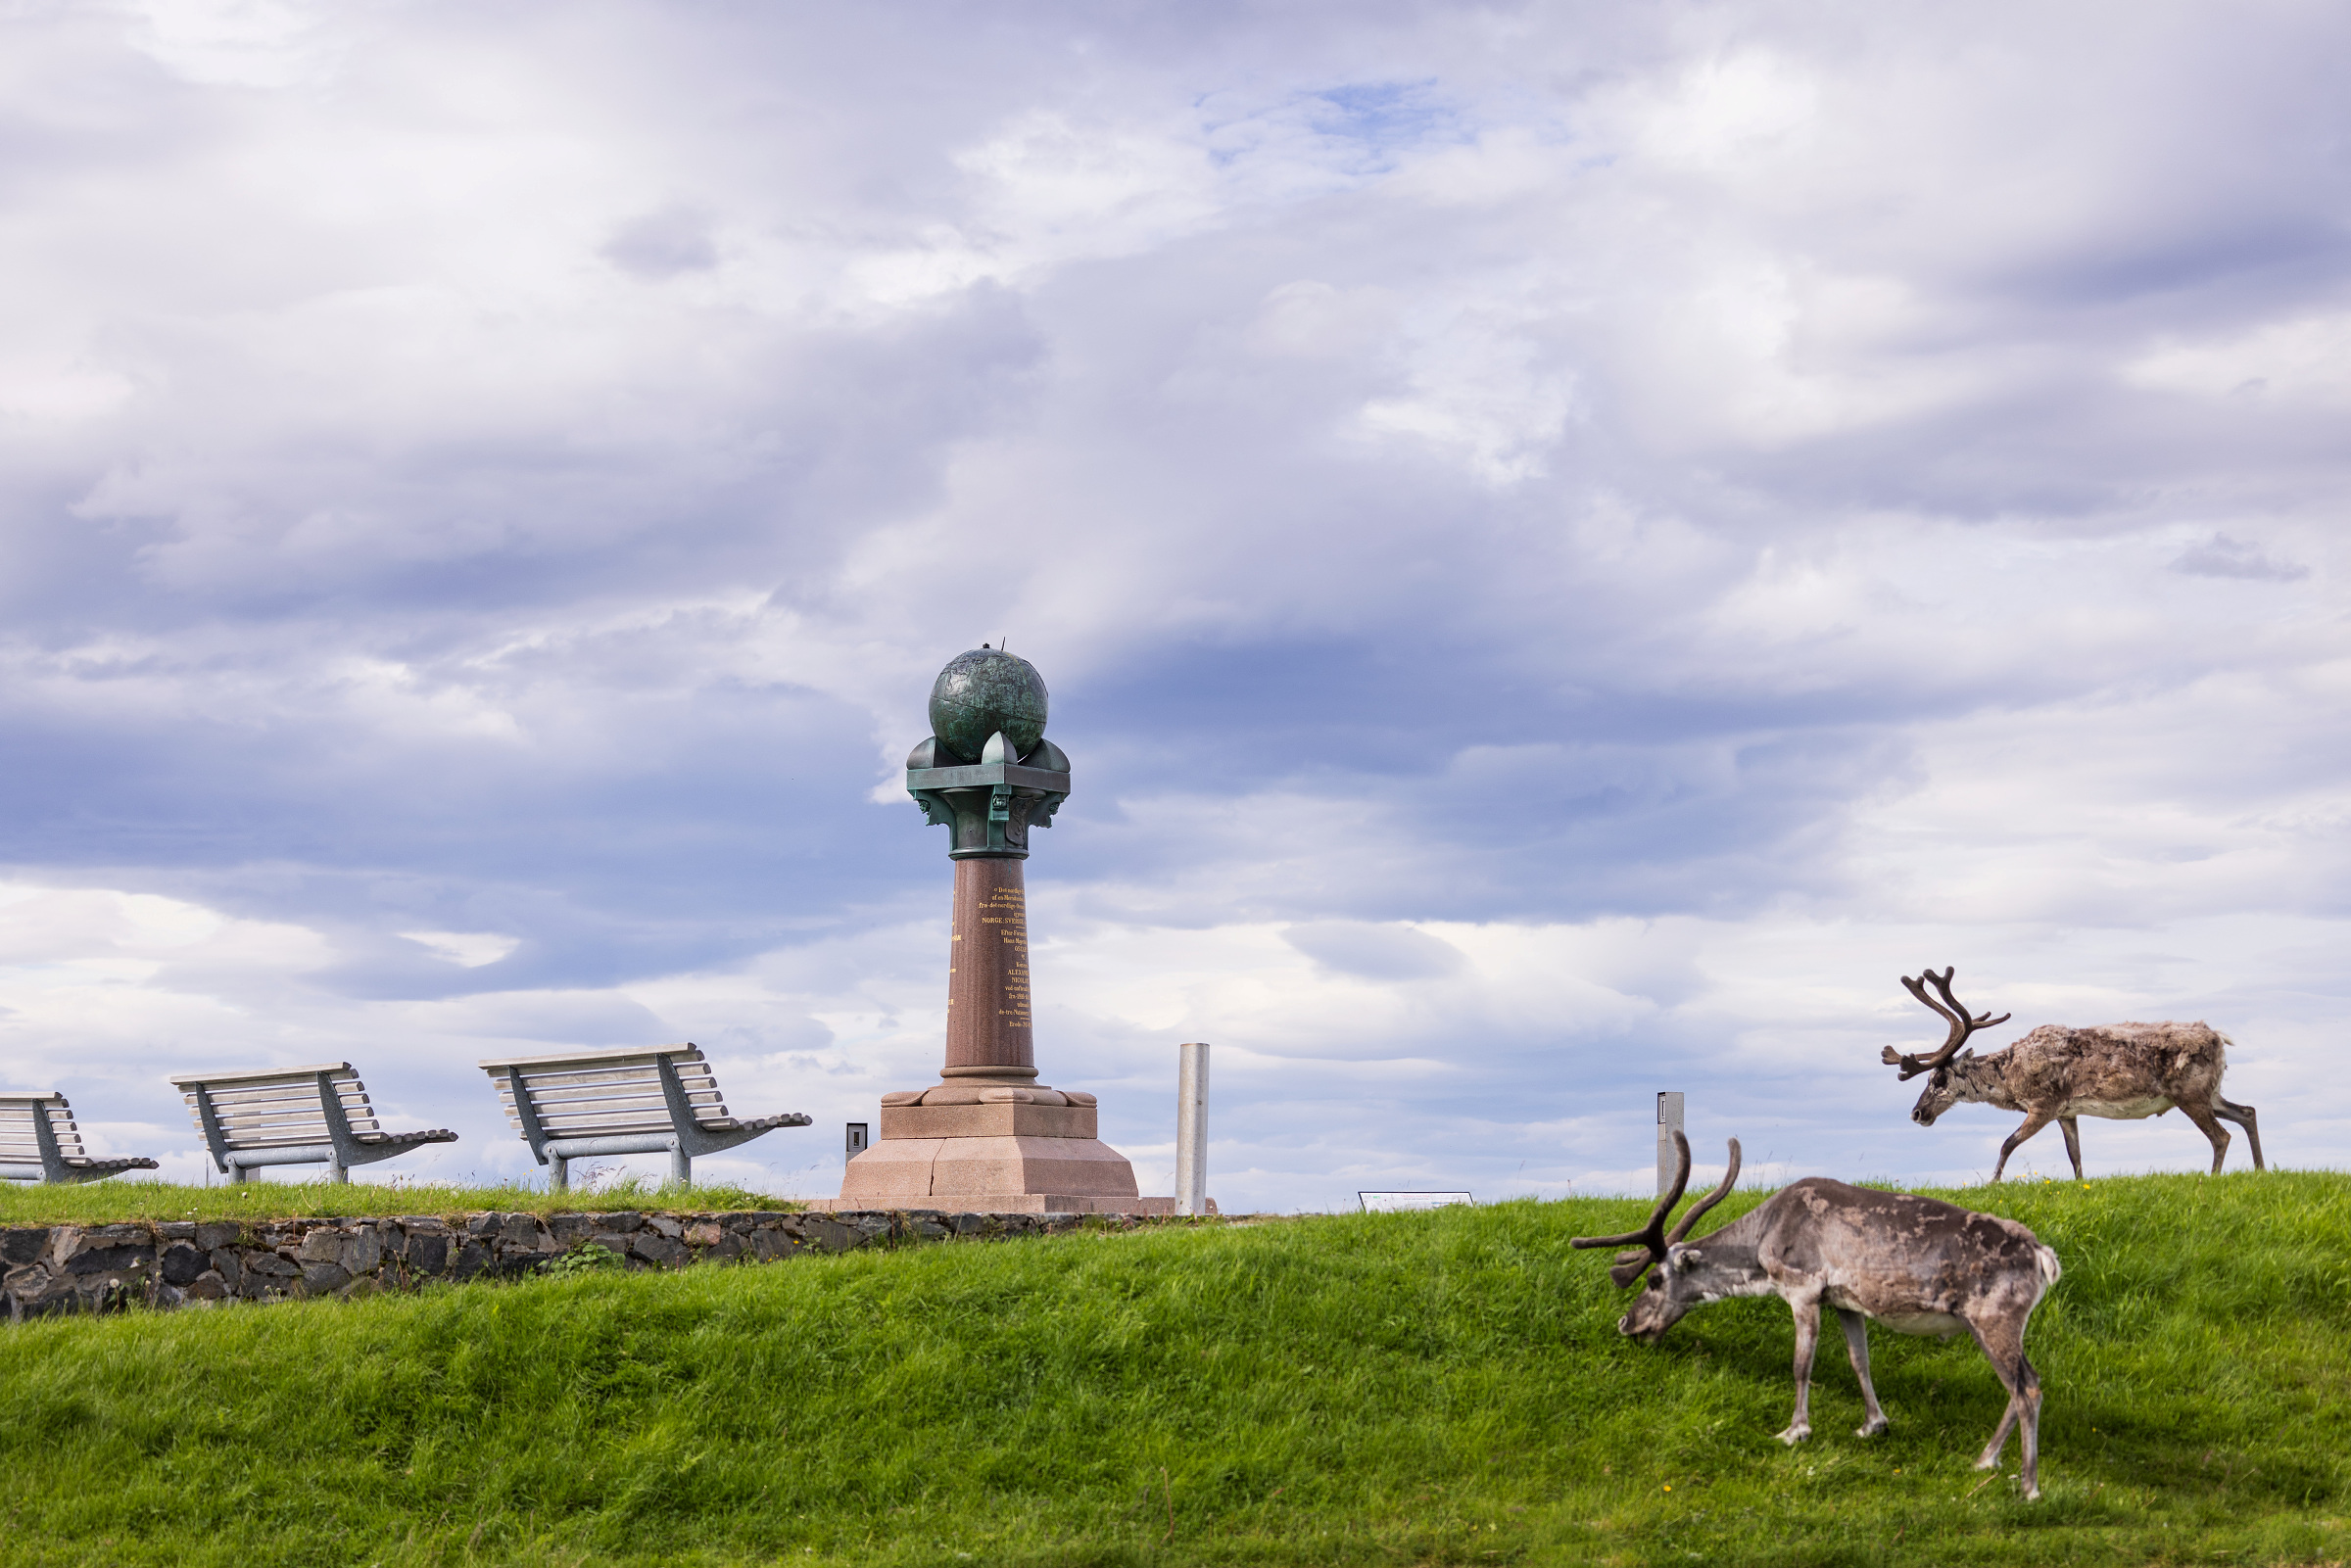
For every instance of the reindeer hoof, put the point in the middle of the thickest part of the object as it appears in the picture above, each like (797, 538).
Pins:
(1989, 1461)
(1795, 1435)
(1870, 1429)
(2032, 1493)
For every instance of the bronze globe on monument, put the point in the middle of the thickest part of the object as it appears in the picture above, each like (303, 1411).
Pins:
(988, 1136)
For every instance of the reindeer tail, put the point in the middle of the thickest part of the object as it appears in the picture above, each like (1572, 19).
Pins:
(2050, 1268)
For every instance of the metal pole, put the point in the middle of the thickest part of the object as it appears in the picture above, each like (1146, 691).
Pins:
(1192, 1130)
(1669, 1123)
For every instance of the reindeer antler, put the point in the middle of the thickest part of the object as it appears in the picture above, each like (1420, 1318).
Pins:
(1953, 1011)
(1721, 1191)
(1651, 1238)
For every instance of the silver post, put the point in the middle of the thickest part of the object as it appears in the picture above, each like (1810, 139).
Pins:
(1191, 1129)
(1669, 1123)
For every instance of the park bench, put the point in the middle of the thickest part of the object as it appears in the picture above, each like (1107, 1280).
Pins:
(294, 1116)
(641, 1101)
(39, 1142)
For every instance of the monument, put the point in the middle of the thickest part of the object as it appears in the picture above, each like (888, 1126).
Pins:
(988, 1136)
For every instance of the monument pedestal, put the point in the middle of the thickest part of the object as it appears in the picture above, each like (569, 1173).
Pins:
(966, 1146)
(988, 1138)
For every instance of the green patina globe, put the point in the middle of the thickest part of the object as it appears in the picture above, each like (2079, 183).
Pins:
(985, 690)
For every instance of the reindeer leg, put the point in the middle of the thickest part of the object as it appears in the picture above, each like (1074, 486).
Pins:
(2073, 1143)
(1857, 1346)
(2003, 1345)
(1808, 1338)
(2031, 1440)
(2033, 1124)
(2210, 1125)
(2242, 1116)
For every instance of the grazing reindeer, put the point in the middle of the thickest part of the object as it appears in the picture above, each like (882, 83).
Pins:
(1917, 1266)
(2117, 1070)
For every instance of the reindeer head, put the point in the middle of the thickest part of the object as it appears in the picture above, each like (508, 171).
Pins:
(1943, 1088)
(1942, 1091)
(1670, 1291)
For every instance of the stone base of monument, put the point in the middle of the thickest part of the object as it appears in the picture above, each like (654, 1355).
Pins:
(988, 1148)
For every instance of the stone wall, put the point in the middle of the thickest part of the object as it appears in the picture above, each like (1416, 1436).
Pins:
(87, 1269)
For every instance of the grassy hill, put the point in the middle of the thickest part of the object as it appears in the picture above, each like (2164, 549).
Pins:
(1444, 1387)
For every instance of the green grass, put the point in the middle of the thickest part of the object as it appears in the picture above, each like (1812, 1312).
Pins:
(1432, 1388)
(112, 1201)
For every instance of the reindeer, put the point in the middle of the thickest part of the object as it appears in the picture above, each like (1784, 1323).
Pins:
(1917, 1266)
(2118, 1071)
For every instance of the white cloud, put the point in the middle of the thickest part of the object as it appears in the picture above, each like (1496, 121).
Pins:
(2307, 359)
(467, 949)
(1570, 544)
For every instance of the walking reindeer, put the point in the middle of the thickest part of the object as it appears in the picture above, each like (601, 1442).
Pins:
(1914, 1264)
(2118, 1071)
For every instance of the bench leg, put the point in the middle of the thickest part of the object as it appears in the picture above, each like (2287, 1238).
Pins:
(561, 1179)
(337, 1173)
(681, 1166)
(236, 1173)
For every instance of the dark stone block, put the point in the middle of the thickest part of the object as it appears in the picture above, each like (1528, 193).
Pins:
(665, 1225)
(521, 1231)
(569, 1229)
(213, 1234)
(122, 1259)
(484, 1224)
(326, 1278)
(967, 1224)
(229, 1265)
(24, 1244)
(621, 1222)
(659, 1250)
(182, 1264)
(269, 1265)
(726, 1247)
(429, 1253)
(827, 1236)
(176, 1230)
(472, 1261)
(60, 1300)
(767, 1245)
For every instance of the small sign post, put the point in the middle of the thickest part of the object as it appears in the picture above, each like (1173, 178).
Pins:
(1669, 1123)
(1191, 1129)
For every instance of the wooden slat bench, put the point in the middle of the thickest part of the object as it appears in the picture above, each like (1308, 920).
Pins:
(643, 1100)
(294, 1116)
(39, 1142)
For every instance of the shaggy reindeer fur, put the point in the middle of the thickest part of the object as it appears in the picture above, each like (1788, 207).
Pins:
(2121, 1071)
(1915, 1264)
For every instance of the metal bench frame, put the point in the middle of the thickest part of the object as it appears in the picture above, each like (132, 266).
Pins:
(687, 1137)
(343, 1147)
(50, 1162)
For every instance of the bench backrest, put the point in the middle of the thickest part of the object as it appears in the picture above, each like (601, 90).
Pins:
(277, 1108)
(20, 1134)
(601, 1094)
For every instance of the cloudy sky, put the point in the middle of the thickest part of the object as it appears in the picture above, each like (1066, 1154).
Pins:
(1572, 544)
